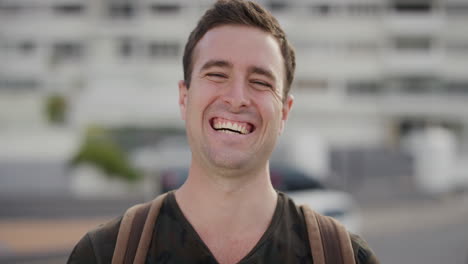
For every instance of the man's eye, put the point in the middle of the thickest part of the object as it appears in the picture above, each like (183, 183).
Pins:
(216, 75)
(262, 83)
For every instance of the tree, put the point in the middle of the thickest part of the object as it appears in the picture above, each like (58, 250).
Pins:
(100, 150)
(56, 108)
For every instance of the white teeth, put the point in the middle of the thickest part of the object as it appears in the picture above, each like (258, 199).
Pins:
(243, 130)
(231, 126)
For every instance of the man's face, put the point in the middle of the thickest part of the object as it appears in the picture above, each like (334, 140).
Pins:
(234, 109)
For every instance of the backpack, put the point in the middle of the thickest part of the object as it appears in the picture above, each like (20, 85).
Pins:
(329, 240)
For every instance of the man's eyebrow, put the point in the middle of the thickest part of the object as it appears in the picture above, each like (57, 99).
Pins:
(262, 71)
(216, 63)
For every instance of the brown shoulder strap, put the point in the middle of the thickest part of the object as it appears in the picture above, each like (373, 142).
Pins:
(135, 232)
(329, 241)
(145, 238)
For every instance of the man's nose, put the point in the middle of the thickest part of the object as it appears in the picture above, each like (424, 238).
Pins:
(237, 95)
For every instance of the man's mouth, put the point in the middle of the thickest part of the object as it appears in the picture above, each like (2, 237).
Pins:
(231, 127)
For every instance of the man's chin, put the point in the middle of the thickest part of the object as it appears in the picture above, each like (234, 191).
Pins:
(231, 164)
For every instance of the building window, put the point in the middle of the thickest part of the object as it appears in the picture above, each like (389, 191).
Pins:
(121, 9)
(417, 84)
(457, 87)
(315, 46)
(323, 9)
(364, 9)
(276, 5)
(67, 51)
(164, 49)
(165, 8)
(18, 47)
(413, 43)
(311, 84)
(18, 84)
(362, 46)
(457, 47)
(364, 87)
(10, 8)
(26, 47)
(3, 46)
(412, 6)
(457, 8)
(69, 9)
(126, 47)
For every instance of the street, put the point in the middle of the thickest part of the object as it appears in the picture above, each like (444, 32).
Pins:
(416, 231)
(420, 232)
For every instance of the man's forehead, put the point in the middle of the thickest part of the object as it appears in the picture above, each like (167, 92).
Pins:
(229, 42)
(219, 63)
(243, 33)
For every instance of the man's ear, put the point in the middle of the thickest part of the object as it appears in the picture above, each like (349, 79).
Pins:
(287, 106)
(183, 90)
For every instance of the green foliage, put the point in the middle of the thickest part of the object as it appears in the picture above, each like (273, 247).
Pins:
(56, 108)
(101, 151)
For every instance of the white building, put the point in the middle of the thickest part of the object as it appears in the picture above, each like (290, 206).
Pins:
(368, 71)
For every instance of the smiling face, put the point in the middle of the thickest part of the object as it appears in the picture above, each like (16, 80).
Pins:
(234, 110)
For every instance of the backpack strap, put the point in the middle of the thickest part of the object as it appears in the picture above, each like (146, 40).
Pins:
(135, 232)
(329, 240)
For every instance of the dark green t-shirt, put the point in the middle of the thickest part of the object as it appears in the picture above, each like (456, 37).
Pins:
(176, 242)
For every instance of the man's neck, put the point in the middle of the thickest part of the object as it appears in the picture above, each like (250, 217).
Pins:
(205, 190)
(228, 210)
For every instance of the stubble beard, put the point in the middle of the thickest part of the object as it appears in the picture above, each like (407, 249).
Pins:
(236, 163)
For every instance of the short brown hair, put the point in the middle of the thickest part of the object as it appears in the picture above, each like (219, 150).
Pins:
(239, 12)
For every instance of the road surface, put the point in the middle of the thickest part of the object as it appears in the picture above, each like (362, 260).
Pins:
(420, 232)
(416, 231)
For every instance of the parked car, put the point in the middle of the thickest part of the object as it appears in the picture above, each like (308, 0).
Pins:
(302, 188)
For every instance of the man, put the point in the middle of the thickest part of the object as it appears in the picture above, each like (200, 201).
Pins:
(238, 69)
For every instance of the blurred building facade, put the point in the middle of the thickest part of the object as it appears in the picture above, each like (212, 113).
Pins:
(368, 71)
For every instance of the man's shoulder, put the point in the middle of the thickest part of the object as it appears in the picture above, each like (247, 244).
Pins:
(107, 232)
(363, 254)
(97, 246)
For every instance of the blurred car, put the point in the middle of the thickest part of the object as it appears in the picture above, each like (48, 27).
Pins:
(302, 188)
